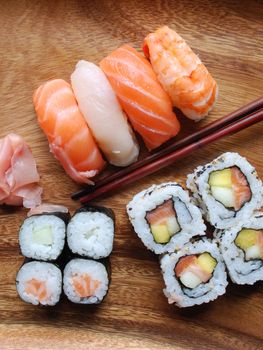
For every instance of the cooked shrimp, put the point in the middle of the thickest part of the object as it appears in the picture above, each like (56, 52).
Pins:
(181, 73)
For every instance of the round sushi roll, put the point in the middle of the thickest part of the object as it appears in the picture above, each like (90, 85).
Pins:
(85, 281)
(90, 232)
(242, 250)
(39, 283)
(42, 237)
(194, 275)
(164, 218)
(227, 189)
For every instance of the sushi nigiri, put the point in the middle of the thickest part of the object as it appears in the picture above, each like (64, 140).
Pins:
(147, 105)
(69, 137)
(18, 173)
(101, 109)
(181, 73)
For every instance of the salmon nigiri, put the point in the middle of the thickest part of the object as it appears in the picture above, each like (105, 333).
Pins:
(147, 105)
(68, 134)
(181, 73)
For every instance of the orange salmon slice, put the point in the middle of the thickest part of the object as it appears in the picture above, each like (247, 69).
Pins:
(160, 215)
(241, 187)
(184, 263)
(37, 288)
(84, 285)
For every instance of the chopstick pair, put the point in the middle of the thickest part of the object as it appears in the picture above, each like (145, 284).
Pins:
(242, 118)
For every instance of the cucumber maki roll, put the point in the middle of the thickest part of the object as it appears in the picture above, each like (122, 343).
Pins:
(90, 232)
(242, 250)
(164, 218)
(42, 236)
(39, 283)
(85, 281)
(194, 275)
(227, 189)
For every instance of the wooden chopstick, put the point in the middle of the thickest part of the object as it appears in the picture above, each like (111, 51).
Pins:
(219, 123)
(168, 159)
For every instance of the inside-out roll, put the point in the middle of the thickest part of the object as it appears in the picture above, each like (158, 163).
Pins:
(194, 275)
(164, 218)
(242, 250)
(227, 189)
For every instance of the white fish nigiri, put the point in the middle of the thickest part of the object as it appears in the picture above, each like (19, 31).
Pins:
(103, 114)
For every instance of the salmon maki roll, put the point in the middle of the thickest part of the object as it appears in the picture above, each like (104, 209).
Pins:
(181, 73)
(39, 283)
(147, 105)
(85, 281)
(68, 134)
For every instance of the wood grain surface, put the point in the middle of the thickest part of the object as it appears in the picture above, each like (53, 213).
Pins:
(41, 40)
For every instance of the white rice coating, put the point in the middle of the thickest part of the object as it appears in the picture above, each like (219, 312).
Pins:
(240, 270)
(31, 249)
(95, 270)
(42, 271)
(203, 293)
(188, 215)
(215, 212)
(91, 234)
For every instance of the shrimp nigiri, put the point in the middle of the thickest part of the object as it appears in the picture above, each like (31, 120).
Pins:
(103, 114)
(147, 105)
(68, 134)
(181, 73)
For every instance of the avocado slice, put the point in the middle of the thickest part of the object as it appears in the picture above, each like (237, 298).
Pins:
(246, 238)
(221, 178)
(43, 235)
(206, 262)
(160, 233)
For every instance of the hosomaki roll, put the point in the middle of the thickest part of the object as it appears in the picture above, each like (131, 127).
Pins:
(39, 283)
(227, 189)
(90, 232)
(194, 275)
(242, 250)
(42, 236)
(85, 281)
(164, 218)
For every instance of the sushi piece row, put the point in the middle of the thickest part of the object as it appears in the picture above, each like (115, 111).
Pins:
(90, 234)
(95, 112)
(84, 282)
(192, 265)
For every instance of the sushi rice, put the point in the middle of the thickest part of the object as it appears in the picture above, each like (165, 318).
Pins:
(90, 234)
(241, 271)
(215, 212)
(205, 292)
(188, 216)
(42, 237)
(43, 273)
(96, 272)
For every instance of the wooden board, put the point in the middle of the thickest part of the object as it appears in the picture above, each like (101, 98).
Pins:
(40, 40)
